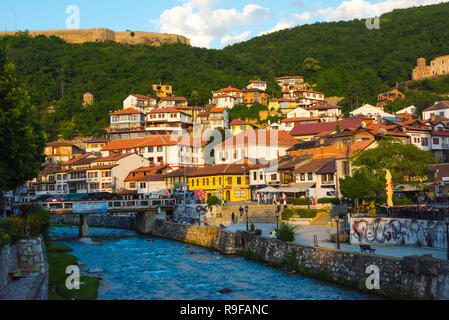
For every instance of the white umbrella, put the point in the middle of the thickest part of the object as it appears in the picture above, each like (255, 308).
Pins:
(268, 189)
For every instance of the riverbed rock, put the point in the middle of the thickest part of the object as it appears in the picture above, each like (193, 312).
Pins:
(89, 242)
(225, 290)
(95, 270)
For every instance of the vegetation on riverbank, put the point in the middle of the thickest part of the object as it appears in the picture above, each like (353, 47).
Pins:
(58, 260)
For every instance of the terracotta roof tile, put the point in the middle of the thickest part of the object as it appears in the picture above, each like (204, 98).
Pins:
(316, 128)
(125, 111)
(261, 137)
(220, 169)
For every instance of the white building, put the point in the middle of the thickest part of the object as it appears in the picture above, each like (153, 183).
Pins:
(368, 110)
(108, 174)
(227, 97)
(257, 84)
(252, 145)
(139, 102)
(167, 120)
(299, 113)
(438, 109)
(169, 102)
(409, 110)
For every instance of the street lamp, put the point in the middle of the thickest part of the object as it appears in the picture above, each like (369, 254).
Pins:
(446, 222)
(338, 232)
(246, 210)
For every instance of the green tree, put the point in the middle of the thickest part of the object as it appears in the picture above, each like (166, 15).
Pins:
(21, 137)
(406, 162)
(361, 185)
(311, 64)
(194, 98)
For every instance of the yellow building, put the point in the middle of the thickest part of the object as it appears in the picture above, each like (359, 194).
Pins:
(283, 105)
(163, 90)
(228, 182)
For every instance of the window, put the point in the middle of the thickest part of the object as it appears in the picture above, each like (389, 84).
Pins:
(207, 181)
(204, 181)
(230, 181)
(261, 176)
(219, 181)
(255, 176)
(143, 185)
(159, 149)
(274, 177)
(425, 142)
(132, 185)
(436, 140)
(213, 181)
(239, 180)
(303, 177)
(310, 176)
(160, 159)
(150, 149)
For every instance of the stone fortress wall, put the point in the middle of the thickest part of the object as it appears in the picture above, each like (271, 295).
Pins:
(103, 34)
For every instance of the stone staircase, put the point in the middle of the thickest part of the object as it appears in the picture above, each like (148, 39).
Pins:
(322, 219)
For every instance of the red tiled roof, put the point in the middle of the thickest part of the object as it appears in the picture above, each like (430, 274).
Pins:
(102, 167)
(173, 99)
(125, 111)
(216, 110)
(316, 128)
(439, 106)
(220, 169)
(59, 144)
(229, 89)
(76, 159)
(113, 158)
(143, 97)
(299, 119)
(324, 106)
(237, 122)
(440, 133)
(203, 113)
(262, 137)
(165, 110)
(313, 165)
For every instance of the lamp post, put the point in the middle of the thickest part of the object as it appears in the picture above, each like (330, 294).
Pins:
(338, 232)
(446, 222)
(246, 211)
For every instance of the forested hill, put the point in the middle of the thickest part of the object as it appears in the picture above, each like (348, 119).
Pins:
(347, 60)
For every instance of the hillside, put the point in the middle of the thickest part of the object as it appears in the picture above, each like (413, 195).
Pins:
(353, 60)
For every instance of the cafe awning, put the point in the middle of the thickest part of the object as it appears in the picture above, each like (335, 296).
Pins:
(297, 187)
(268, 189)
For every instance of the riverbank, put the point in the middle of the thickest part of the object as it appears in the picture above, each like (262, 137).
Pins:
(408, 277)
(58, 260)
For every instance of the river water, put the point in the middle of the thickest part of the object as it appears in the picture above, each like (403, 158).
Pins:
(137, 267)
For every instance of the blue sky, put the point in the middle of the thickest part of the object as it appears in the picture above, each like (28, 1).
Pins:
(208, 23)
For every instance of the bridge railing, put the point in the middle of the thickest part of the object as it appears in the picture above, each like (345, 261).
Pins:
(67, 206)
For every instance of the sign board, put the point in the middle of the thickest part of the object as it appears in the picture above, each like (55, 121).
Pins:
(90, 207)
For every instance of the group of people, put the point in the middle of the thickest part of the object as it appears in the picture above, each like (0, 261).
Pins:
(10, 211)
(271, 198)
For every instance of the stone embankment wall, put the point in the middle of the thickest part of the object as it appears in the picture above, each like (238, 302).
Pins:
(256, 214)
(210, 237)
(97, 220)
(103, 34)
(28, 256)
(410, 277)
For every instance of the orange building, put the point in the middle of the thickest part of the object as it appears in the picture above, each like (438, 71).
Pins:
(61, 151)
(251, 96)
(386, 97)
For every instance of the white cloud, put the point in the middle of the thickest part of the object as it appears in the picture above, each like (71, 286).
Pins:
(282, 24)
(197, 20)
(295, 19)
(352, 9)
(228, 40)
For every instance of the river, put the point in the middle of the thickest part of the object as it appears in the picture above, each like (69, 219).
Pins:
(141, 268)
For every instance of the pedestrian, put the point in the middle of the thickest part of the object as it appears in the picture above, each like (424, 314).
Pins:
(233, 217)
(285, 203)
(265, 198)
(241, 211)
(258, 199)
(8, 210)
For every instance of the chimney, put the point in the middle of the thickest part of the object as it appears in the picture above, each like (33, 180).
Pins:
(246, 119)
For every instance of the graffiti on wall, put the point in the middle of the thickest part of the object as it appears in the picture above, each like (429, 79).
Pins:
(426, 233)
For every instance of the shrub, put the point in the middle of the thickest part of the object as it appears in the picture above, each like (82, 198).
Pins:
(329, 200)
(213, 201)
(252, 227)
(12, 228)
(287, 214)
(301, 202)
(287, 232)
(397, 201)
(37, 220)
(305, 213)
(258, 232)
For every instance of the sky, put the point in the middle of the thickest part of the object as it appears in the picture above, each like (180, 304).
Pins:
(208, 23)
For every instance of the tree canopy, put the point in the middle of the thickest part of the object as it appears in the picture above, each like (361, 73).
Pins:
(21, 137)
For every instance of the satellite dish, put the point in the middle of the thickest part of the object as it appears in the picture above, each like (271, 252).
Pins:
(382, 132)
(363, 124)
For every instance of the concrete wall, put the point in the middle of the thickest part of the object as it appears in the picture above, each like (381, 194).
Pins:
(8, 263)
(378, 231)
